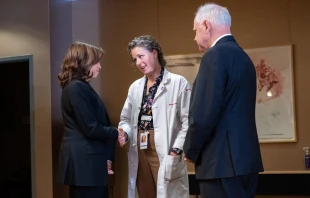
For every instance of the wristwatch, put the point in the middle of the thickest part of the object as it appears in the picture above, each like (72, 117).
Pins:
(177, 151)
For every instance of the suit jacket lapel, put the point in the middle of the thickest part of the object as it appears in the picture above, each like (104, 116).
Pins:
(101, 104)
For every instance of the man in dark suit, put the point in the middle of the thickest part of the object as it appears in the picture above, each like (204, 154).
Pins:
(222, 139)
(87, 147)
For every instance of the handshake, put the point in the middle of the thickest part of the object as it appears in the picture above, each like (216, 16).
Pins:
(122, 137)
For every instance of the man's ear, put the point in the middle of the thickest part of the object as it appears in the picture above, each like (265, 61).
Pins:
(207, 26)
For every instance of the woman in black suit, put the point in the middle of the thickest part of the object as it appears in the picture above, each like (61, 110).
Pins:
(87, 148)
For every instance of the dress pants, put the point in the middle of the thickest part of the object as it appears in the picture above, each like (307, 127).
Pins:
(147, 168)
(231, 187)
(88, 192)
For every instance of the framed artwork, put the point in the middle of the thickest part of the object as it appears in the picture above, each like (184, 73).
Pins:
(275, 104)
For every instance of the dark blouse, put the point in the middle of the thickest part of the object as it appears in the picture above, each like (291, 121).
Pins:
(146, 105)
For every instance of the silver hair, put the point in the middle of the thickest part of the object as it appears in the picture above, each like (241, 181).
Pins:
(149, 43)
(213, 13)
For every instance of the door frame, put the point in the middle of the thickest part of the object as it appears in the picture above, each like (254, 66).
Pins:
(28, 58)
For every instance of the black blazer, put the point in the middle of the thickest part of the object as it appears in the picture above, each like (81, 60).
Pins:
(222, 137)
(88, 141)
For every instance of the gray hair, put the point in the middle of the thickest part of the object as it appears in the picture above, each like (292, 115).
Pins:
(215, 14)
(148, 43)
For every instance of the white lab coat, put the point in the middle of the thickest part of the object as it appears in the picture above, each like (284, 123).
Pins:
(170, 119)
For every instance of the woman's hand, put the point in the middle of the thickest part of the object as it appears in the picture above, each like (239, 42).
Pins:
(122, 137)
(110, 171)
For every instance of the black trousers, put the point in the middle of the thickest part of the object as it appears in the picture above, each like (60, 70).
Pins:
(88, 192)
(231, 187)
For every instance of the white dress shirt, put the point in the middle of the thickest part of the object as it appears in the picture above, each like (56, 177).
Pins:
(219, 39)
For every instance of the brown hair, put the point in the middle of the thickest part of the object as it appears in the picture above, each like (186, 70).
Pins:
(77, 62)
(149, 43)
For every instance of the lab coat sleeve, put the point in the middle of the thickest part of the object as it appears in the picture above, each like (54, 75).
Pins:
(125, 118)
(183, 108)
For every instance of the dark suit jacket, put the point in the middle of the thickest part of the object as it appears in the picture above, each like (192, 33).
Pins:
(222, 137)
(88, 141)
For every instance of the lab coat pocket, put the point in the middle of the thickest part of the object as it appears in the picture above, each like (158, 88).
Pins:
(174, 167)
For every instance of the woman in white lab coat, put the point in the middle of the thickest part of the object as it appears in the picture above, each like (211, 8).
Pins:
(156, 106)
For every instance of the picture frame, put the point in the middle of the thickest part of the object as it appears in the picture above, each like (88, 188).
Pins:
(275, 104)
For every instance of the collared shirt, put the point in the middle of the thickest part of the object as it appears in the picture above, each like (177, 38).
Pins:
(219, 39)
(147, 100)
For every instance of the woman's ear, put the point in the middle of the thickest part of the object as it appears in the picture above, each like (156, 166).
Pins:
(155, 53)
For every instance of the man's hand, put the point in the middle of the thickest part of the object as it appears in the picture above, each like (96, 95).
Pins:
(110, 171)
(188, 160)
(122, 136)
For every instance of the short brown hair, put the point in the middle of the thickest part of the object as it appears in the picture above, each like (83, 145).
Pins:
(77, 62)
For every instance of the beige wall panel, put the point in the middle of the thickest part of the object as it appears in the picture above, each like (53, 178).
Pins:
(24, 29)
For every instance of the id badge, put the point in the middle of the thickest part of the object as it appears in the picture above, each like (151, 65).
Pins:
(144, 140)
(146, 118)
